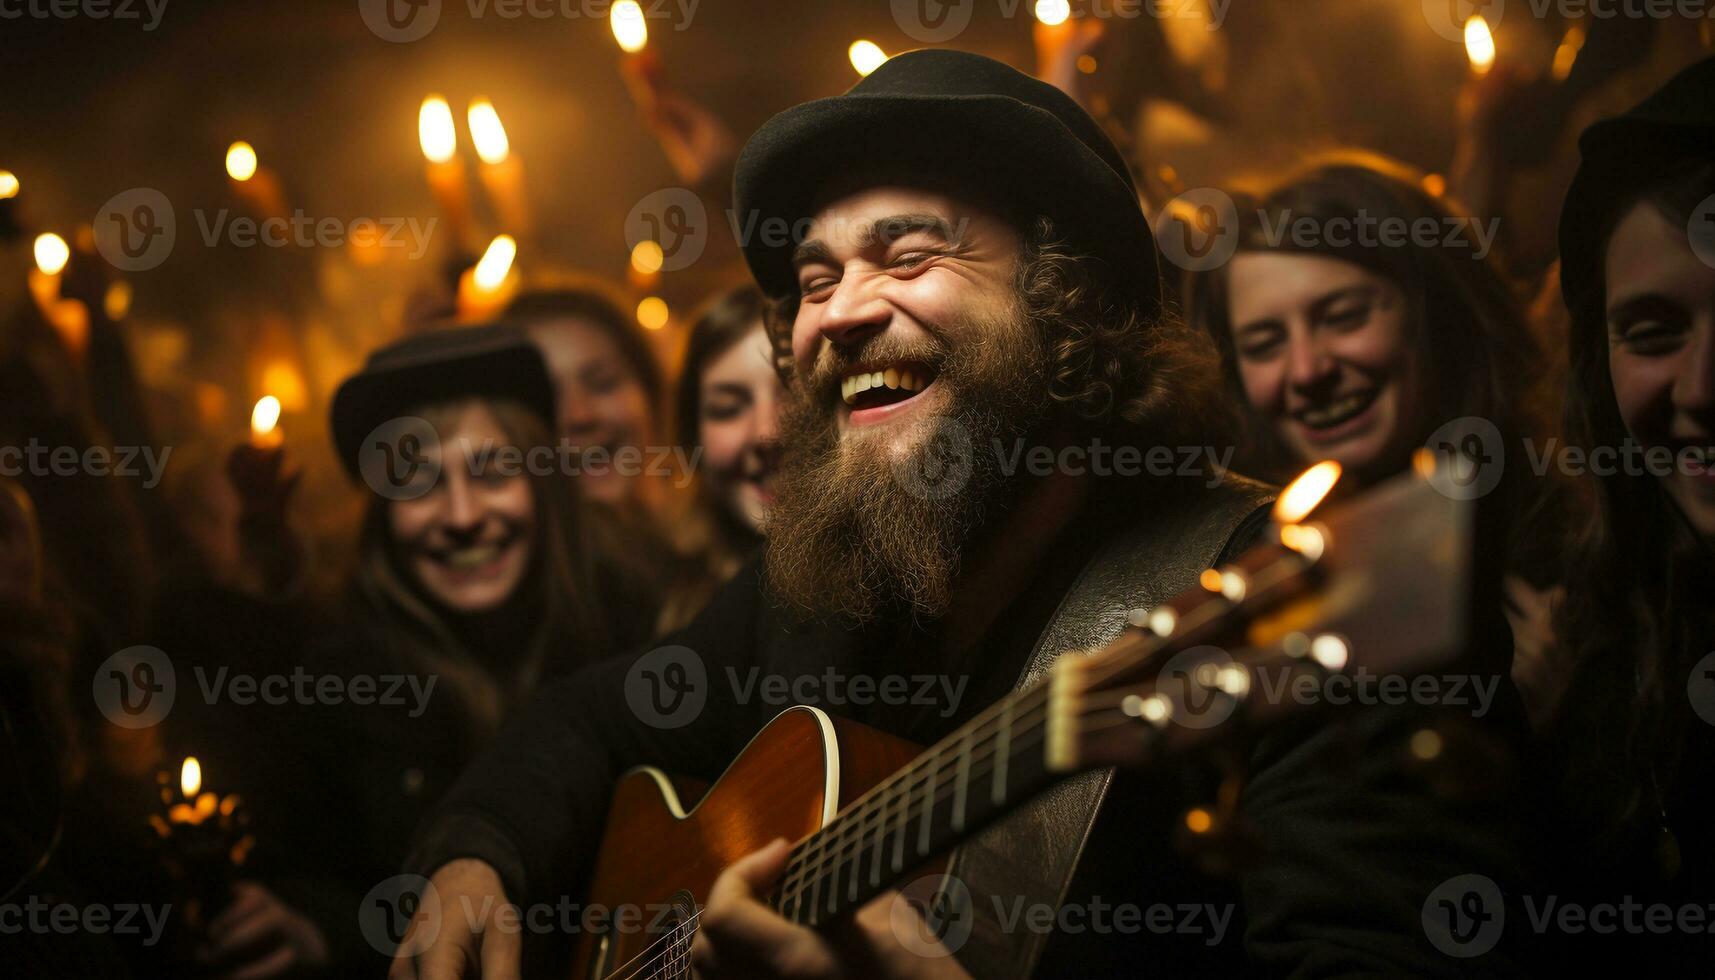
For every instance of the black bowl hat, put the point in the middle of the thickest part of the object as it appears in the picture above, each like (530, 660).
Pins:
(962, 121)
(495, 361)
(1622, 154)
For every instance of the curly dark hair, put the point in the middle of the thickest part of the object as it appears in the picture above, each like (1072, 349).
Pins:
(1120, 369)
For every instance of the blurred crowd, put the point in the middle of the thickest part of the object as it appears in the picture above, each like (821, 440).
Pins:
(561, 493)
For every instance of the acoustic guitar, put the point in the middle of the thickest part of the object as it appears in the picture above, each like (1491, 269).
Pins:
(1380, 581)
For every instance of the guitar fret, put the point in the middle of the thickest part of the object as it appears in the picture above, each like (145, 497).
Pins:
(880, 842)
(1002, 753)
(928, 807)
(899, 835)
(962, 784)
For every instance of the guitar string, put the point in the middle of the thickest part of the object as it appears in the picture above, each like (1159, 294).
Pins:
(675, 935)
(1098, 670)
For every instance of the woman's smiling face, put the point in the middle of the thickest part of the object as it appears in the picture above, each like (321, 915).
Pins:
(1324, 357)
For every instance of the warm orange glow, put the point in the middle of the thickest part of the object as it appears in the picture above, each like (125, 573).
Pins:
(1304, 494)
(866, 56)
(265, 416)
(1198, 820)
(653, 313)
(1566, 55)
(241, 161)
(629, 27)
(116, 303)
(1053, 12)
(52, 254)
(496, 263)
(647, 258)
(435, 130)
(190, 777)
(8, 184)
(1479, 44)
(487, 132)
(283, 380)
(1210, 579)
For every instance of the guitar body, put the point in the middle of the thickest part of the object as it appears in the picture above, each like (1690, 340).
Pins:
(659, 857)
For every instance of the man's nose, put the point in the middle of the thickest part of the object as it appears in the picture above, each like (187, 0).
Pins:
(855, 312)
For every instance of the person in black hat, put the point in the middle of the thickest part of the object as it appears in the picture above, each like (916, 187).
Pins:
(1632, 742)
(959, 272)
(480, 577)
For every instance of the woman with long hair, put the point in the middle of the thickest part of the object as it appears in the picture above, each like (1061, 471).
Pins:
(1631, 740)
(1361, 319)
(726, 411)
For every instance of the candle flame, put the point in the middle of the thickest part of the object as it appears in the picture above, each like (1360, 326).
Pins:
(241, 161)
(653, 313)
(190, 777)
(52, 254)
(866, 56)
(487, 132)
(1479, 44)
(8, 184)
(496, 263)
(1053, 12)
(265, 416)
(629, 27)
(1304, 494)
(435, 130)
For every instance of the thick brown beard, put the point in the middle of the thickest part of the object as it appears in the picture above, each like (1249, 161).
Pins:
(853, 533)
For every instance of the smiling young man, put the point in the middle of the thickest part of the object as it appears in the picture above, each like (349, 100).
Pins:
(974, 277)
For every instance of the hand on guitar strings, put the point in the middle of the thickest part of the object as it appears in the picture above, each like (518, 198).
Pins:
(739, 935)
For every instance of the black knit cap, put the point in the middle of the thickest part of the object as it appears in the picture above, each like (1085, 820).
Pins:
(963, 121)
(495, 361)
(1620, 155)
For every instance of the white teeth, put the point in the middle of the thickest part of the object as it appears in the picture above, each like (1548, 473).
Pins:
(895, 378)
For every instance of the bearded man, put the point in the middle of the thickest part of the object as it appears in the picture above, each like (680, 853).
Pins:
(968, 312)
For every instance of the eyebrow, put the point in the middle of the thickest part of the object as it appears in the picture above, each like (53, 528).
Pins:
(885, 230)
(1643, 304)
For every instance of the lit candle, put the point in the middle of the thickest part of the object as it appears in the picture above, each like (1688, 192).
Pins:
(629, 27)
(8, 185)
(1479, 44)
(255, 185)
(265, 424)
(502, 174)
(641, 66)
(438, 137)
(486, 287)
(203, 841)
(866, 56)
(1053, 12)
(68, 317)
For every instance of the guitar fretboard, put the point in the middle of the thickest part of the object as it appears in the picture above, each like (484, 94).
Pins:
(964, 782)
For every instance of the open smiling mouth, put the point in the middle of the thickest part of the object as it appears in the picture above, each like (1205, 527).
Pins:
(1337, 412)
(884, 386)
(472, 557)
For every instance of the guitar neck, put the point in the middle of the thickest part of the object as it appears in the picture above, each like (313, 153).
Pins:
(966, 781)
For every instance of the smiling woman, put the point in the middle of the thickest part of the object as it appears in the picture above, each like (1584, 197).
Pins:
(1357, 348)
